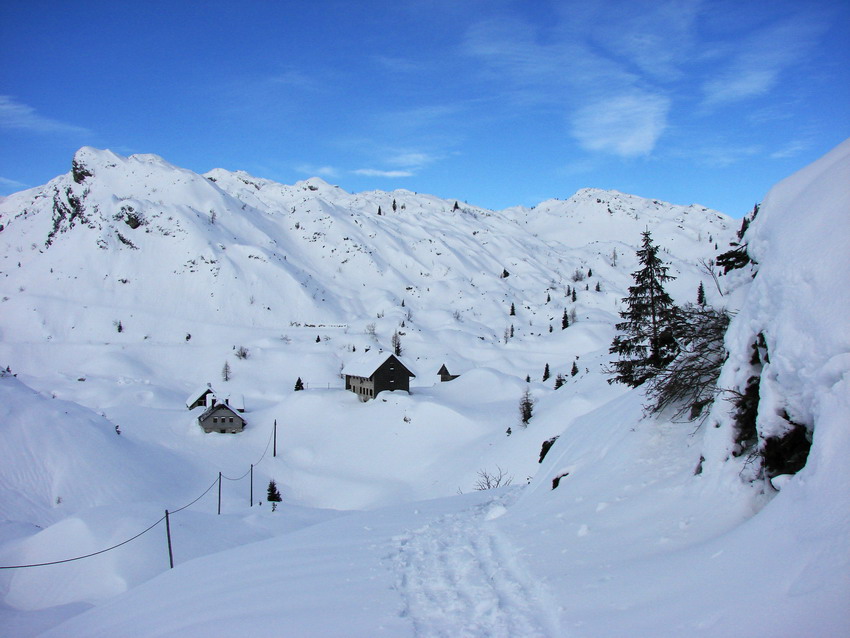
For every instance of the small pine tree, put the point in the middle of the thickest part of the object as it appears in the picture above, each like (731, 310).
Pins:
(225, 372)
(700, 295)
(590, 272)
(559, 380)
(379, 211)
(646, 341)
(299, 385)
(395, 208)
(396, 341)
(528, 378)
(546, 372)
(512, 331)
(119, 326)
(273, 495)
(598, 287)
(548, 297)
(565, 320)
(318, 339)
(574, 370)
(573, 296)
(526, 408)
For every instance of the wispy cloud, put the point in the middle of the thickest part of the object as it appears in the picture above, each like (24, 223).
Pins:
(17, 116)
(792, 149)
(374, 172)
(11, 185)
(627, 125)
(320, 171)
(609, 106)
(755, 65)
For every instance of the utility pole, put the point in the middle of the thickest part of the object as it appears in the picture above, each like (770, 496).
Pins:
(168, 535)
(219, 493)
(274, 447)
(252, 485)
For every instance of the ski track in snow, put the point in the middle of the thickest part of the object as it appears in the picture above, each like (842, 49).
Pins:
(459, 577)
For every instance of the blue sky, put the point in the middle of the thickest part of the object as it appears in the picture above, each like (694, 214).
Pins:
(494, 102)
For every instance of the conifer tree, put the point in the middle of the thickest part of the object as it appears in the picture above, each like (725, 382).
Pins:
(700, 295)
(273, 495)
(225, 372)
(645, 343)
(565, 320)
(546, 372)
(574, 370)
(559, 380)
(513, 310)
(526, 407)
(299, 385)
(396, 341)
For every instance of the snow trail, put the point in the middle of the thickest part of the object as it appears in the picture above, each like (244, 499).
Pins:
(458, 576)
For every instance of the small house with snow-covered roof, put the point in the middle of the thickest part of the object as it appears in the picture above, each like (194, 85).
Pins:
(221, 418)
(374, 372)
(202, 397)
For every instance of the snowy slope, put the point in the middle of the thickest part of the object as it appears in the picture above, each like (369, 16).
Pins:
(632, 541)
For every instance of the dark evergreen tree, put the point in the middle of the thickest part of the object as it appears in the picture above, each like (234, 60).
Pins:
(546, 372)
(590, 272)
(318, 339)
(273, 495)
(548, 297)
(598, 287)
(299, 385)
(513, 310)
(574, 370)
(646, 342)
(528, 378)
(225, 372)
(526, 407)
(573, 296)
(379, 211)
(394, 206)
(559, 380)
(565, 320)
(700, 295)
(396, 341)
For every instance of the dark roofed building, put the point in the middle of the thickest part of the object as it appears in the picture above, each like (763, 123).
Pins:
(375, 372)
(445, 375)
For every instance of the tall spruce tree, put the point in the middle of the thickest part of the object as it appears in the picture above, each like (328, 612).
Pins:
(645, 343)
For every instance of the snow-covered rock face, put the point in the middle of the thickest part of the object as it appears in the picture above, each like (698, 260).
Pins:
(140, 234)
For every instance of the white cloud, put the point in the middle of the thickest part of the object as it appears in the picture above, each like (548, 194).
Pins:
(15, 115)
(791, 149)
(756, 64)
(320, 171)
(7, 184)
(412, 159)
(374, 172)
(627, 125)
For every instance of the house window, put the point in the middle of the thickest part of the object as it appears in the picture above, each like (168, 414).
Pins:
(215, 419)
(222, 431)
(231, 419)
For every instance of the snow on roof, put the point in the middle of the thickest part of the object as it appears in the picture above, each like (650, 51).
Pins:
(198, 393)
(218, 407)
(366, 364)
(235, 401)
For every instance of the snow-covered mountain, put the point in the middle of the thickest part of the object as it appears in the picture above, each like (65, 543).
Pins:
(129, 282)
